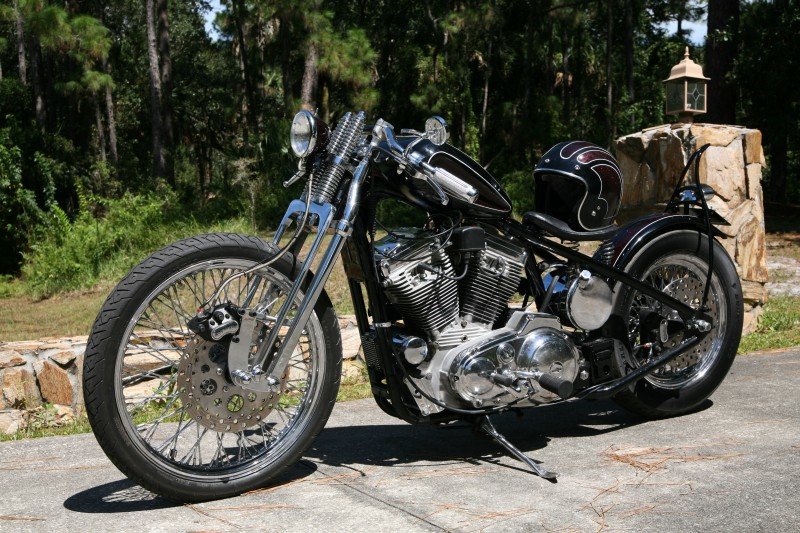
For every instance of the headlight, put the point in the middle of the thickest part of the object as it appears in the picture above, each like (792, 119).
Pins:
(305, 133)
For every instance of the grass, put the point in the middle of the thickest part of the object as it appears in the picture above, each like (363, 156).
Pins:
(62, 315)
(779, 326)
(29, 317)
(76, 427)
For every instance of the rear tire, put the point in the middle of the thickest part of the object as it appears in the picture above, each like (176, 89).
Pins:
(659, 397)
(115, 423)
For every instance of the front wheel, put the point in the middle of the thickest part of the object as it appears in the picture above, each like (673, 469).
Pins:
(159, 398)
(677, 264)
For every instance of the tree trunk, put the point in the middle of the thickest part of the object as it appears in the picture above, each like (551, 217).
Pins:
(308, 89)
(201, 170)
(721, 44)
(22, 55)
(609, 83)
(629, 34)
(155, 91)
(286, 47)
(484, 108)
(111, 119)
(38, 89)
(566, 110)
(166, 90)
(244, 65)
(101, 135)
(778, 167)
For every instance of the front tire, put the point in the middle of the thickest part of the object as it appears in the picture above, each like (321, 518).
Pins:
(159, 398)
(676, 263)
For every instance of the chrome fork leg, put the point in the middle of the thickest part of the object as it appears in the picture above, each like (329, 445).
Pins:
(242, 372)
(257, 377)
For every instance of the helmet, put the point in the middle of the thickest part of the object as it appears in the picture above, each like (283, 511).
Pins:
(578, 183)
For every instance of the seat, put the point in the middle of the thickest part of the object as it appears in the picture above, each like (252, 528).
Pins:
(560, 229)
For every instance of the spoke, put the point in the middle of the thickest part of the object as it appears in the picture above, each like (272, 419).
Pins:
(150, 362)
(174, 439)
(195, 449)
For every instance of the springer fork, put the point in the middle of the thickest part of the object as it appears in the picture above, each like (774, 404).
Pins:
(270, 360)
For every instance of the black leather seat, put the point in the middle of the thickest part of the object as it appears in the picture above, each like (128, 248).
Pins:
(557, 228)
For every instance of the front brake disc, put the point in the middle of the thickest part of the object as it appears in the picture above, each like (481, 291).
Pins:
(209, 396)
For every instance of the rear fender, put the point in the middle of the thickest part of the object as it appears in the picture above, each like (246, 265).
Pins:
(634, 236)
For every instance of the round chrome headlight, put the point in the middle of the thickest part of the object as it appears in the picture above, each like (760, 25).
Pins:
(303, 135)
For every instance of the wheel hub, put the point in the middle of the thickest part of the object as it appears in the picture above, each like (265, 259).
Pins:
(211, 398)
(689, 290)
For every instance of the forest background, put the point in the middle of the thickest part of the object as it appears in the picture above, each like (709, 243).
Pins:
(125, 124)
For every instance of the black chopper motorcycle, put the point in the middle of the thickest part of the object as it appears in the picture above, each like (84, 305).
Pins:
(215, 363)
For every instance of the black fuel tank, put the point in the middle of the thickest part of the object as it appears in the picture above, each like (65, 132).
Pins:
(492, 200)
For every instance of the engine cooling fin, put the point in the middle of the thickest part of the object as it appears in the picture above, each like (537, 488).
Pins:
(492, 278)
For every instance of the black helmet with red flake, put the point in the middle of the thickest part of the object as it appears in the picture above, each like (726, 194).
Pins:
(578, 183)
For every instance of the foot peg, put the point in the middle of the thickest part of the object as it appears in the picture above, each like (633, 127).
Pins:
(485, 425)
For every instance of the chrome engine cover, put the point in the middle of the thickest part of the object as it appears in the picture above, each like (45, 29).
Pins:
(529, 342)
(456, 319)
(589, 301)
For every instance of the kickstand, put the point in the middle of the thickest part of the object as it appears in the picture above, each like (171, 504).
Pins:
(485, 425)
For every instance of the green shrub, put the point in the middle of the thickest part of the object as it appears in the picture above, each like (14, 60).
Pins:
(69, 256)
(18, 208)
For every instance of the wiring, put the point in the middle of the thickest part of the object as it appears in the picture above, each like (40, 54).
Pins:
(444, 241)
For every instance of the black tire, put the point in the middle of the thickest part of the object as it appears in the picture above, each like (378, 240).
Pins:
(102, 351)
(646, 398)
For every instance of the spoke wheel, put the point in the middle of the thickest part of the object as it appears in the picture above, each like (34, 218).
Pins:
(191, 413)
(676, 264)
(683, 277)
(160, 398)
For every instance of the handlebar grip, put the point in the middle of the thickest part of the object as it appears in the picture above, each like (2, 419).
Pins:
(556, 385)
(452, 184)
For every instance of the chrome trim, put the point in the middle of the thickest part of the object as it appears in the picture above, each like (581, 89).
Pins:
(265, 374)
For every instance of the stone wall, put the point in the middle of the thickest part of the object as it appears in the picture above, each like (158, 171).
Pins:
(40, 380)
(651, 163)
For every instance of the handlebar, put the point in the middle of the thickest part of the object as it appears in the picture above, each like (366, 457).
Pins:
(438, 178)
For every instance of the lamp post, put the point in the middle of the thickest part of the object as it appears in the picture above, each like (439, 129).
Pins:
(686, 90)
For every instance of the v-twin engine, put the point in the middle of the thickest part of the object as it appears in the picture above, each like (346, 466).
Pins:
(450, 301)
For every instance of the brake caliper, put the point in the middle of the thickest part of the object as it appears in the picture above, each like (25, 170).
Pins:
(217, 323)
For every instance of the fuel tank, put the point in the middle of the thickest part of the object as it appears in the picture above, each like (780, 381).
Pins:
(492, 200)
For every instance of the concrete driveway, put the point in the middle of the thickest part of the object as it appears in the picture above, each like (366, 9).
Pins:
(734, 465)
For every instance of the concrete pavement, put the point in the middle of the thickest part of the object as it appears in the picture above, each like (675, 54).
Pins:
(735, 464)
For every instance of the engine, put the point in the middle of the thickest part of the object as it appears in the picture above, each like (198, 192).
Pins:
(456, 330)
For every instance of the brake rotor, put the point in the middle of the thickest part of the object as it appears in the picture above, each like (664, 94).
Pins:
(211, 398)
(689, 290)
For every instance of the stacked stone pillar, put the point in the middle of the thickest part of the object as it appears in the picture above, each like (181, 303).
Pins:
(652, 161)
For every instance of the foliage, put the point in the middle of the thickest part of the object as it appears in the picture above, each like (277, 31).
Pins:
(75, 255)
(512, 77)
(18, 208)
(779, 326)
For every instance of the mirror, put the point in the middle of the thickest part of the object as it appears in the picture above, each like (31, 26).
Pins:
(436, 130)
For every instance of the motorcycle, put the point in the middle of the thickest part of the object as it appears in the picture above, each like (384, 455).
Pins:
(215, 362)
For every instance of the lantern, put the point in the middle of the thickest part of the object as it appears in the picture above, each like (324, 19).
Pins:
(686, 90)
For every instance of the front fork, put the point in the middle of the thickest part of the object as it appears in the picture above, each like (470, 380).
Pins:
(264, 371)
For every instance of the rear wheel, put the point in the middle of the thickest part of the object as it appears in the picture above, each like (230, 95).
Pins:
(677, 264)
(160, 399)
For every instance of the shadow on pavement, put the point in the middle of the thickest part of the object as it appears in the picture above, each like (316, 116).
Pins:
(125, 496)
(122, 496)
(402, 445)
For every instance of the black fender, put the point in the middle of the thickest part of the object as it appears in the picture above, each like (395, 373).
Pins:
(635, 235)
